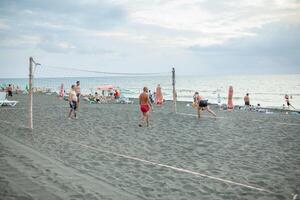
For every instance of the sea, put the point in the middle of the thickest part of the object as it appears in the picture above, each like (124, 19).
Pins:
(266, 90)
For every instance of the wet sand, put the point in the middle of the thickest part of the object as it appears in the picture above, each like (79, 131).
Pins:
(104, 154)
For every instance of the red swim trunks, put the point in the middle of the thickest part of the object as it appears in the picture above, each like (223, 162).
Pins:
(144, 108)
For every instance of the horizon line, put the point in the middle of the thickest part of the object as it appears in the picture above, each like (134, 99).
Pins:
(161, 75)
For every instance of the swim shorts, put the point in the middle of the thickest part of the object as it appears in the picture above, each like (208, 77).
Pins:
(203, 103)
(73, 105)
(144, 108)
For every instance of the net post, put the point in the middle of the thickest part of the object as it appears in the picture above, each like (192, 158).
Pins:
(30, 93)
(174, 91)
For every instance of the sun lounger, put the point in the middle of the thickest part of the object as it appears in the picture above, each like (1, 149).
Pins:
(124, 100)
(4, 101)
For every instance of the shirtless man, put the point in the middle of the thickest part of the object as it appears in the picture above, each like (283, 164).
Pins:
(202, 104)
(145, 106)
(247, 100)
(77, 90)
(73, 102)
(9, 90)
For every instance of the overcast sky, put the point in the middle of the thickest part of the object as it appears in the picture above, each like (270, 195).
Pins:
(196, 36)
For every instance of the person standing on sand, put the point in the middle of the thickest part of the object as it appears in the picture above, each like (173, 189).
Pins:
(158, 96)
(202, 104)
(286, 97)
(77, 91)
(9, 90)
(73, 102)
(151, 97)
(219, 102)
(145, 106)
(195, 100)
(247, 100)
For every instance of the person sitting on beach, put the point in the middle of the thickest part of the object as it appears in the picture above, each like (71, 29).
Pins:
(73, 102)
(203, 105)
(77, 91)
(247, 100)
(97, 97)
(145, 106)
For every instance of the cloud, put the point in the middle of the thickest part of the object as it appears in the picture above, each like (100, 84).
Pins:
(17, 41)
(210, 22)
(152, 34)
(275, 49)
(274, 39)
(178, 23)
(93, 15)
(3, 25)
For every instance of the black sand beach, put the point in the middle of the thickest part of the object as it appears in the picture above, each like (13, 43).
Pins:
(104, 154)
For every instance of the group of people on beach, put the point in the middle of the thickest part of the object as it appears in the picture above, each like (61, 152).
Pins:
(287, 103)
(145, 103)
(147, 99)
(9, 89)
(98, 98)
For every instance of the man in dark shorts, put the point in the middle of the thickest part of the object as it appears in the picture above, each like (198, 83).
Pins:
(9, 90)
(202, 105)
(247, 100)
(145, 106)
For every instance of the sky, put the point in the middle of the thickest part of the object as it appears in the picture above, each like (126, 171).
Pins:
(197, 37)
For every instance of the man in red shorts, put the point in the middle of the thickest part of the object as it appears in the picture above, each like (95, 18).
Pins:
(145, 106)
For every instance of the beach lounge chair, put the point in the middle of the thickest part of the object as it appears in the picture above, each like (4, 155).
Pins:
(4, 101)
(124, 100)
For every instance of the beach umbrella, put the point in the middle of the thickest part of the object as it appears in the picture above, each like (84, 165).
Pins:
(26, 87)
(62, 91)
(230, 96)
